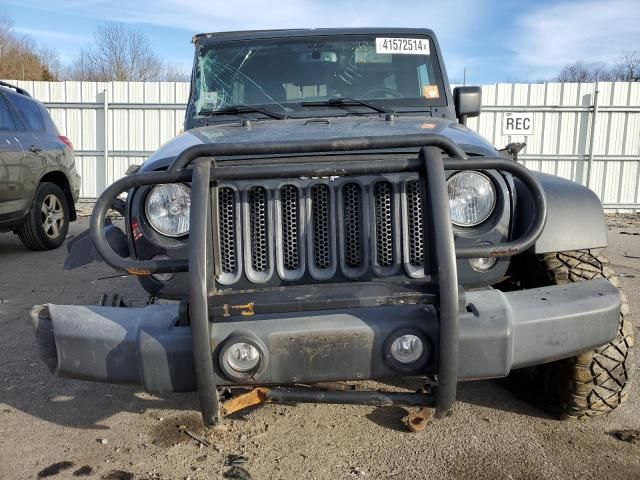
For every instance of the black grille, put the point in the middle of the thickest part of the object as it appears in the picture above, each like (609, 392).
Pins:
(227, 215)
(289, 212)
(258, 225)
(415, 220)
(383, 200)
(317, 230)
(320, 218)
(352, 211)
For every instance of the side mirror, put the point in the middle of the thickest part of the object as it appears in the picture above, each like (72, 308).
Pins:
(467, 101)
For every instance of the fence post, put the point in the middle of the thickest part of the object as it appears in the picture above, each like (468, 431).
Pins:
(101, 168)
(594, 120)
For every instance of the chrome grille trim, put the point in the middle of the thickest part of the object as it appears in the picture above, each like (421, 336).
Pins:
(353, 228)
(290, 231)
(386, 234)
(257, 238)
(229, 219)
(321, 237)
(413, 248)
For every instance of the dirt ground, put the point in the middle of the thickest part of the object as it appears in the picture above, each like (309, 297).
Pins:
(61, 429)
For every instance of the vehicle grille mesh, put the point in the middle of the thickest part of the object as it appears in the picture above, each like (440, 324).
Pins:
(312, 230)
(289, 232)
(258, 229)
(415, 223)
(383, 198)
(320, 222)
(352, 208)
(227, 215)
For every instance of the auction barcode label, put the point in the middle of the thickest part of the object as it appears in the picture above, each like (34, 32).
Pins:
(406, 46)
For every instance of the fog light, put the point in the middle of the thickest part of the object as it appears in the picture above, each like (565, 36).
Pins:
(407, 349)
(162, 277)
(482, 264)
(242, 357)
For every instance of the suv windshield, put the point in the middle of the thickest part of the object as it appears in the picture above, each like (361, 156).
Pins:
(293, 73)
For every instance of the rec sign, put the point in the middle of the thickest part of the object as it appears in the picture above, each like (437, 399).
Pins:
(517, 124)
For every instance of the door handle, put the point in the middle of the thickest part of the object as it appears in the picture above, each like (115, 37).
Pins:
(35, 149)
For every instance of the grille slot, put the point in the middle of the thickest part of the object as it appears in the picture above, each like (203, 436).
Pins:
(258, 229)
(415, 224)
(320, 218)
(354, 228)
(227, 221)
(383, 205)
(289, 204)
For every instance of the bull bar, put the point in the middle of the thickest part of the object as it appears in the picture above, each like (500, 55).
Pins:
(206, 171)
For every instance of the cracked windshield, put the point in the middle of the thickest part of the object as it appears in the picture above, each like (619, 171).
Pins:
(294, 75)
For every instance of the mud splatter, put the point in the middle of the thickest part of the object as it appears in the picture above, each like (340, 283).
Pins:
(171, 430)
(118, 475)
(83, 471)
(54, 469)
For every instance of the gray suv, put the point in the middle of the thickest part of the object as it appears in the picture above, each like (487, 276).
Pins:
(39, 183)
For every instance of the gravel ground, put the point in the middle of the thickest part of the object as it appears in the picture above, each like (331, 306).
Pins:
(60, 429)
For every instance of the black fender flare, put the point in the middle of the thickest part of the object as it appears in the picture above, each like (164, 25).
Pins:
(575, 218)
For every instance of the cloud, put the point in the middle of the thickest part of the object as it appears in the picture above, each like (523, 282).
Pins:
(196, 17)
(549, 37)
(56, 35)
(448, 19)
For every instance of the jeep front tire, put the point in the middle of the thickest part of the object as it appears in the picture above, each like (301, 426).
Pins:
(594, 382)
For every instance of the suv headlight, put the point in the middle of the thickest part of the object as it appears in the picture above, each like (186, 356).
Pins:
(168, 208)
(472, 198)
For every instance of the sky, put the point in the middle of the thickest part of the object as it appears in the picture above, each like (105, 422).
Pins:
(495, 41)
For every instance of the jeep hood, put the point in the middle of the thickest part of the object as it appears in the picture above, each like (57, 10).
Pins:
(316, 129)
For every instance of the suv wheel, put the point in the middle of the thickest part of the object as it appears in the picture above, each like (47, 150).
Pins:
(594, 382)
(47, 223)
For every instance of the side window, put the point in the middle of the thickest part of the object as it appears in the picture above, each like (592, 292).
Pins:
(6, 120)
(30, 112)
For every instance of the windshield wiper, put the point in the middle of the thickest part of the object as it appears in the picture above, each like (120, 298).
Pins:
(241, 108)
(342, 101)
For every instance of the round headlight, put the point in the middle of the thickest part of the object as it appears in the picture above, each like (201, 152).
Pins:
(168, 208)
(472, 198)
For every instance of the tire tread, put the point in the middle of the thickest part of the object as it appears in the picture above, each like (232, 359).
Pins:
(591, 383)
(30, 232)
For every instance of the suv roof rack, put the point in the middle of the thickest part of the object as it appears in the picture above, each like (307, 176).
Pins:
(19, 90)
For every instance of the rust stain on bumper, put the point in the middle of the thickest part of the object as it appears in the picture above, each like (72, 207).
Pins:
(246, 310)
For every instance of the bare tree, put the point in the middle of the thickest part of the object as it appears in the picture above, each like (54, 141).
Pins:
(580, 72)
(121, 53)
(21, 58)
(174, 73)
(627, 67)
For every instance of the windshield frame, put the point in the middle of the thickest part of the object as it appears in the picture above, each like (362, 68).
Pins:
(295, 108)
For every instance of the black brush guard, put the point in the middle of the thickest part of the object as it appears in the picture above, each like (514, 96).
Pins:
(430, 162)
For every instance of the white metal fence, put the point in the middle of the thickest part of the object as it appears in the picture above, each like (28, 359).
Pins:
(584, 132)
(140, 116)
(581, 131)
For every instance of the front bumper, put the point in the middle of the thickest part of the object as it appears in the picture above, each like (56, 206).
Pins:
(498, 332)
